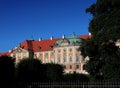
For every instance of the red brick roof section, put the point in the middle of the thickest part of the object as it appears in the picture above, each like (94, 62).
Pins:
(5, 54)
(38, 46)
(43, 45)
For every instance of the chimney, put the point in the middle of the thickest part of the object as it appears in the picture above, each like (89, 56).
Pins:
(63, 36)
(40, 39)
(51, 38)
(89, 34)
(10, 51)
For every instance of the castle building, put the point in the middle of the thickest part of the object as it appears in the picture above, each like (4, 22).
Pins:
(64, 51)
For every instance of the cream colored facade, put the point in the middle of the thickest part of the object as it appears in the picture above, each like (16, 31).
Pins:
(64, 52)
(45, 57)
(19, 54)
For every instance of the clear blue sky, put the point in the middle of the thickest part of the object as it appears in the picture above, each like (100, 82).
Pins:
(19, 19)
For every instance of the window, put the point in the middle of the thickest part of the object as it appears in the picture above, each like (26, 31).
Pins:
(46, 54)
(84, 67)
(46, 61)
(52, 53)
(59, 51)
(70, 49)
(51, 47)
(64, 50)
(77, 66)
(70, 59)
(58, 59)
(77, 49)
(19, 55)
(41, 54)
(64, 59)
(70, 66)
(24, 54)
(39, 47)
(52, 60)
(14, 56)
(77, 58)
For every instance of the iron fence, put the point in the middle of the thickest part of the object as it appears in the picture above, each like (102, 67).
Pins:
(69, 85)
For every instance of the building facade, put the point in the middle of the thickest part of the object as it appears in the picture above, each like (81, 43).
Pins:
(64, 51)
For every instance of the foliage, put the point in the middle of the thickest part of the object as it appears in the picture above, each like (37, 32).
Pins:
(54, 72)
(105, 24)
(105, 29)
(75, 77)
(6, 70)
(30, 69)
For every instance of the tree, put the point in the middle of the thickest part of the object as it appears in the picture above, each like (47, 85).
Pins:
(105, 24)
(101, 48)
(54, 72)
(30, 69)
(6, 70)
(75, 77)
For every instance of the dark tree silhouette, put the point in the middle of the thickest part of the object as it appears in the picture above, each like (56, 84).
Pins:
(76, 77)
(104, 63)
(30, 70)
(54, 72)
(6, 70)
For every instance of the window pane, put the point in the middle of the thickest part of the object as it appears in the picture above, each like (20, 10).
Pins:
(64, 59)
(58, 59)
(77, 66)
(70, 49)
(70, 66)
(70, 59)
(77, 58)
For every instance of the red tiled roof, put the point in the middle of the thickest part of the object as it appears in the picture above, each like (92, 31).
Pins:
(43, 45)
(5, 54)
(27, 44)
(85, 36)
(38, 46)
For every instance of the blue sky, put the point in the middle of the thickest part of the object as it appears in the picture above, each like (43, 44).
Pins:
(20, 19)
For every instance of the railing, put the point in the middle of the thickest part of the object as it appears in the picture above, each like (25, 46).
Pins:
(69, 85)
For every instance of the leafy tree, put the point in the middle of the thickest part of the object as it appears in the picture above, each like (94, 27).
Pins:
(75, 77)
(6, 70)
(30, 69)
(54, 72)
(101, 49)
(105, 24)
